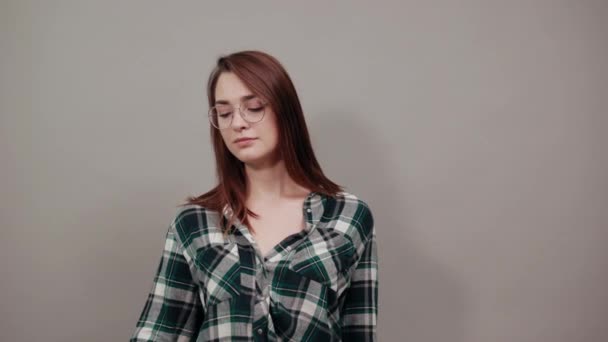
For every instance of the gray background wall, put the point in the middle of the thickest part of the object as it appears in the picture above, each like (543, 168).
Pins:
(474, 129)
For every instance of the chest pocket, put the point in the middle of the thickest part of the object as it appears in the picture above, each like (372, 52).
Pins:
(220, 268)
(325, 257)
(307, 290)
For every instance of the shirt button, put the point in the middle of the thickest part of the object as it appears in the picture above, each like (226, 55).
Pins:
(260, 331)
(308, 210)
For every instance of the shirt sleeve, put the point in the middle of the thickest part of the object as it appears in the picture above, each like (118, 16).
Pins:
(173, 310)
(360, 307)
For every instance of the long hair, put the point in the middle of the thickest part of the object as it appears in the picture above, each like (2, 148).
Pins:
(266, 78)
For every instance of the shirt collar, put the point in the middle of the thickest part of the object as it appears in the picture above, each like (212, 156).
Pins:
(313, 208)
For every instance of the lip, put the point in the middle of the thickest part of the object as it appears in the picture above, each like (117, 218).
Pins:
(243, 139)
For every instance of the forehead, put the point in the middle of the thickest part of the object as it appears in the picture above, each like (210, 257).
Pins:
(230, 88)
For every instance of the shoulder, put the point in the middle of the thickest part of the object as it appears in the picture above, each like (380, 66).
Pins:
(197, 226)
(352, 216)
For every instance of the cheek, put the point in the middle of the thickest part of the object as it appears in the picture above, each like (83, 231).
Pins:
(226, 141)
(225, 137)
(272, 137)
(273, 130)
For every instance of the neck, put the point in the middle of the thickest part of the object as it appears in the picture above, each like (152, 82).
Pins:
(272, 182)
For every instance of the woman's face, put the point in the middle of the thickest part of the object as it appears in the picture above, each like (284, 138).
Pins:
(261, 150)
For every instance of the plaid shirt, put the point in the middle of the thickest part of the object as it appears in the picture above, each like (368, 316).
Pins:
(320, 284)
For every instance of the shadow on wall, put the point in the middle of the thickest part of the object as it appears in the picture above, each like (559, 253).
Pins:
(420, 300)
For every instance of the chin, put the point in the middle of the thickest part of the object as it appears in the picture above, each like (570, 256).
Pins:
(249, 156)
(252, 158)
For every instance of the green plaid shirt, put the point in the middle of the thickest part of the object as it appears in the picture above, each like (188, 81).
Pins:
(320, 284)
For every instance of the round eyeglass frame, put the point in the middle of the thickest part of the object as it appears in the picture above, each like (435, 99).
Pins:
(241, 113)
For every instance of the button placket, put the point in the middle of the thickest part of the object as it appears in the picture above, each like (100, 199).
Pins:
(262, 279)
(266, 292)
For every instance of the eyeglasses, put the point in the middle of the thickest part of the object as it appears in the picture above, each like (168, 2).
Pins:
(252, 111)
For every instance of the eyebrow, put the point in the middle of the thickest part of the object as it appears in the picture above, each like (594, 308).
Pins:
(245, 97)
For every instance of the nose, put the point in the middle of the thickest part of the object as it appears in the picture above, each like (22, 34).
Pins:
(237, 119)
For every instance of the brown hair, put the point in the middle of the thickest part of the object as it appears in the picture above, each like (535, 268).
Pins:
(266, 78)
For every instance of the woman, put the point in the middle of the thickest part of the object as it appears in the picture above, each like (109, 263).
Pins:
(276, 251)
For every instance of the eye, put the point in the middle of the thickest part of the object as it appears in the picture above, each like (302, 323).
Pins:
(223, 111)
(255, 109)
(254, 105)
